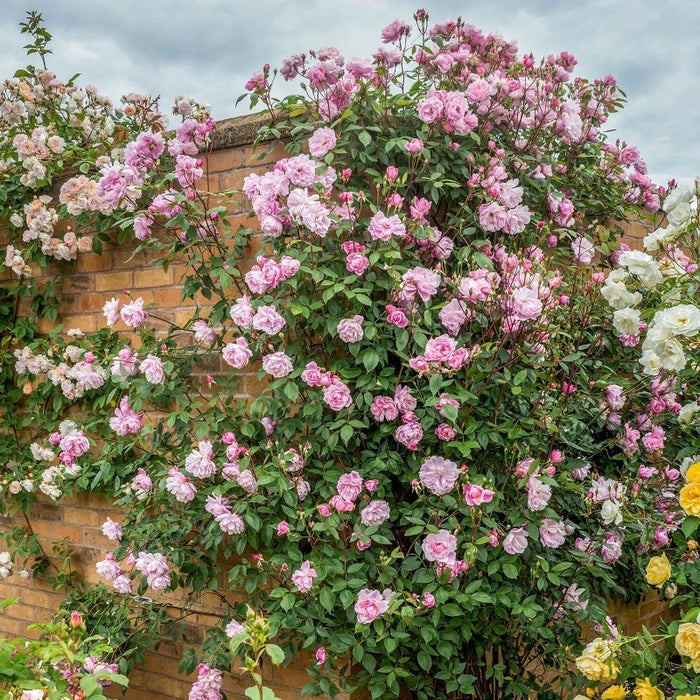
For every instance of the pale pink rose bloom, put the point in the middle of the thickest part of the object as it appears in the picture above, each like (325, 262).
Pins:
(142, 482)
(282, 528)
(268, 321)
(277, 364)
(404, 399)
(445, 432)
(440, 349)
(320, 656)
(356, 263)
(233, 628)
(583, 250)
(421, 281)
(410, 434)
(322, 141)
(111, 311)
(453, 316)
(242, 313)
(112, 530)
(538, 494)
(122, 584)
(199, 462)
(414, 146)
(526, 304)
(152, 368)
(439, 475)
(552, 533)
(303, 577)
(237, 354)
(383, 227)
(337, 396)
(341, 505)
(74, 443)
(375, 513)
(125, 421)
(350, 329)
(350, 485)
(384, 408)
(180, 486)
(133, 314)
(440, 547)
(515, 542)
(108, 568)
(203, 332)
(370, 605)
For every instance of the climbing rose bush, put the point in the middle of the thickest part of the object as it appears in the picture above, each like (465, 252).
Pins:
(456, 458)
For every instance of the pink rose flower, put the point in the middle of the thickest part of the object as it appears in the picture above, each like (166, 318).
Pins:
(538, 494)
(356, 263)
(414, 146)
(384, 408)
(268, 321)
(322, 141)
(440, 547)
(475, 495)
(375, 513)
(152, 368)
(350, 329)
(282, 528)
(337, 396)
(237, 354)
(445, 432)
(277, 364)
(396, 316)
(303, 577)
(438, 475)
(350, 485)
(370, 605)
(552, 533)
(133, 314)
(515, 542)
(341, 505)
(409, 435)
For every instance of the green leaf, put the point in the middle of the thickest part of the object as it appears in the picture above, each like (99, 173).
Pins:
(364, 138)
(275, 653)
(690, 525)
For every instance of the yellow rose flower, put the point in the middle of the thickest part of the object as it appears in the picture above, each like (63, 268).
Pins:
(658, 570)
(688, 640)
(644, 690)
(690, 498)
(693, 473)
(614, 692)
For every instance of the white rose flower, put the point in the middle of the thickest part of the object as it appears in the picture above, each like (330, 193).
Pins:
(619, 274)
(637, 262)
(618, 296)
(683, 319)
(626, 321)
(685, 415)
(671, 355)
(651, 364)
(680, 193)
(660, 237)
(680, 215)
(610, 513)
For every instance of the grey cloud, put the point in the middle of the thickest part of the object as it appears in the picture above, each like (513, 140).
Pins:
(209, 48)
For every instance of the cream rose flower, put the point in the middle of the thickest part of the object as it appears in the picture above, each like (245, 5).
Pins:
(658, 570)
(597, 661)
(688, 640)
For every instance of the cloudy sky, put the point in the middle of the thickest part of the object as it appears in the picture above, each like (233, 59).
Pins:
(207, 49)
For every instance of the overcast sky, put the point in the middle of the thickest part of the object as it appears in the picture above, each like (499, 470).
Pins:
(207, 49)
